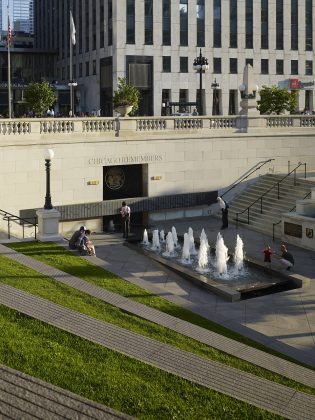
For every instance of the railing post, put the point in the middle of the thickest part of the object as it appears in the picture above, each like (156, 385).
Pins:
(278, 190)
(23, 230)
(9, 237)
(273, 232)
(305, 170)
(236, 220)
(35, 224)
(294, 177)
(248, 216)
(261, 201)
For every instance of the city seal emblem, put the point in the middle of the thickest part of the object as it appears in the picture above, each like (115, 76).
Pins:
(114, 178)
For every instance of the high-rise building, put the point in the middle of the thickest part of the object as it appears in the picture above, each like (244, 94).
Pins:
(154, 44)
(21, 16)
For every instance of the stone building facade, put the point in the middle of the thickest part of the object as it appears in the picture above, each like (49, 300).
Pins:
(154, 44)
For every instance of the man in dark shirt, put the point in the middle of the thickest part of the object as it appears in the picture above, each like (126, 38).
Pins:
(286, 258)
(77, 238)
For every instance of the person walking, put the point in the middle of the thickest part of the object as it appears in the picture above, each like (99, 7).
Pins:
(125, 215)
(286, 258)
(225, 212)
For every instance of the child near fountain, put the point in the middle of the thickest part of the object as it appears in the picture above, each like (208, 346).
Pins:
(267, 256)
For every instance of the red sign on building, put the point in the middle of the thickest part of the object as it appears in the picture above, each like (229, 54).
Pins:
(294, 84)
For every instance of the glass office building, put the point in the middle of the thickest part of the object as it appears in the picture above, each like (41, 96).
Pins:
(21, 16)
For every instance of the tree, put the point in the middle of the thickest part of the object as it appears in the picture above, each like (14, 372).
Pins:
(275, 100)
(39, 97)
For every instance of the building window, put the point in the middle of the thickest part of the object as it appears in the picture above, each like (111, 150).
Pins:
(249, 24)
(167, 64)
(166, 19)
(102, 22)
(183, 22)
(80, 70)
(279, 66)
(264, 24)
(183, 64)
(183, 98)
(200, 12)
(294, 25)
(87, 27)
(216, 65)
(279, 24)
(87, 68)
(249, 61)
(294, 67)
(110, 21)
(130, 22)
(148, 22)
(264, 66)
(94, 67)
(166, 97)
(233, 65)
(217, 23)
(308, 25)
(233, 23)
(309, 67)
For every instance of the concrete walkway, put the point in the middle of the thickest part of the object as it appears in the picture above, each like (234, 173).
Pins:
(271, 396)
(28, 398)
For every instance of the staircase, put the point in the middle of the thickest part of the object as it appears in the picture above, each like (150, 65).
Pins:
(272, 208)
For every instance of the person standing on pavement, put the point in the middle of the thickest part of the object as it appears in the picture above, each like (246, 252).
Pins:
(125, 215)
(225, 212)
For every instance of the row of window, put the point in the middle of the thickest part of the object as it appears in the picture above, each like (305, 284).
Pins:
(217, 65)
(262, 10)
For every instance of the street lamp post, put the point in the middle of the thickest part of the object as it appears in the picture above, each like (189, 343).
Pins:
(200, 65)
(48, 155)
(72, 84)
(215, 102)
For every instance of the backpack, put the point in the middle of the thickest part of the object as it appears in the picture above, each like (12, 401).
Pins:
(227, 206)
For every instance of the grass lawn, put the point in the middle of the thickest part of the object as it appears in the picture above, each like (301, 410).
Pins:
(24, 278)
(69, 262)
(108, 377)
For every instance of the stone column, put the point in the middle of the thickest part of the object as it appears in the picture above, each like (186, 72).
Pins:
(48, 225)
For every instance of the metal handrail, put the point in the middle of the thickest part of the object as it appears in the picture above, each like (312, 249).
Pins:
(277, 184)
(293, 208)
(245, 176)
(9, 217)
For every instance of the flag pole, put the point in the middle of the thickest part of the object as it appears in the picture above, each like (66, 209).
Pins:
(9, 65)
(71, 70)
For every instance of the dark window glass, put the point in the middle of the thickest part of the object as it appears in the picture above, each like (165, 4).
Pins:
(87, 68)
(94, 25)
(216, 65)
(249, 61)
(233, 23)
(294, 67)
(130, 22)
(279, 24)
(94, 67)
(166, 12)
(80, 69)
(249, 24)
(87, 26)
(264, 64)
(167, 64)
(308, 25)
(200, 12)
(183, 64)
(279, 66)
(148, 22)
(217, 23)
(309, 67)
(233, 65)
(110, 22)
(183, 22)
(294, 24)
(264, 24)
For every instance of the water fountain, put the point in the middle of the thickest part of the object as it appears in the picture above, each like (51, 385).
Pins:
(192, 242)
(175, 238)
(186, 250)
(111, 226)
(203, 259)
(169, 245)
(145, 240)
(222, 256)
(162, 236)
(239, 254)
(155, 241)
(231, 279)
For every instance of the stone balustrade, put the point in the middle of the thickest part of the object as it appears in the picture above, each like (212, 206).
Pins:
(48, 126)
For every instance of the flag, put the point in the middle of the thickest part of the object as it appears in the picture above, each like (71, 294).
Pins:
(72, 29)
(9, 32)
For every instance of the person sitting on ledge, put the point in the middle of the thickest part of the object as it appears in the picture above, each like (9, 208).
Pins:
(286, 258)
(77, 238)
